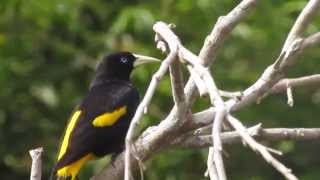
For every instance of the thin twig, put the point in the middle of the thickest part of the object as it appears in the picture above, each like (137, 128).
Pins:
(216, 38)
(198, 81)
(177, 90)
(222, 30)
(217, 145)
(305, 82)
(290, 100)
(166, 38)
(177, 83)
(131, 134)
(165, 35)
(235, 95)
(268, 134)
(212, 167)
(196, 140)
(302, 22)
(36, 167)
(264, 151)
(311, 40)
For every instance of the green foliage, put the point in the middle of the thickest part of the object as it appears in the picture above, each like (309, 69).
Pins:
(48, 50)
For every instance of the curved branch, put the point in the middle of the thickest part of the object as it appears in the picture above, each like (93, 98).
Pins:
(302, 22)
(312, 40)
(233, 137)
(305, 81)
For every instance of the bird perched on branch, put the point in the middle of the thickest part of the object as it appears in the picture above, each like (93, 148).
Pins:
(99, 124)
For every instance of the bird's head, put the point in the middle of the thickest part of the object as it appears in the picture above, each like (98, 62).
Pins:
(118, 66)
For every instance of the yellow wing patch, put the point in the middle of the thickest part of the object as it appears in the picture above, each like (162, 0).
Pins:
(109, 118)
(67, 134)
(74, 168)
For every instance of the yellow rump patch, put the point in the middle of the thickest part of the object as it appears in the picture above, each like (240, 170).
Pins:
(67, 134)
(109, 118)
(74, 168)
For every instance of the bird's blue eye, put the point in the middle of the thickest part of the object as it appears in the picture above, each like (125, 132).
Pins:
(123, 60)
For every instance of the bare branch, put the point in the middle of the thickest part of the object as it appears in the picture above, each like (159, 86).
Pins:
(212, 167)
(167, 37)
(216, 150)
(290, 51)
(165, 32)
(264, 151)
(305, 82)
(311, 40)
(235, 95)
(290, 134)
(203, 118)
(222, 29)
(36, 167)
(233, 137)
(302, 22)
(195, 140)
(177, 84)
(216, 101)
(215, 39)
(290, 101)
(198, 81)
(206, 117)
(177, 92)
(131, 134)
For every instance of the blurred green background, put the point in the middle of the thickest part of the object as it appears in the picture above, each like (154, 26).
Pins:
(49, 48)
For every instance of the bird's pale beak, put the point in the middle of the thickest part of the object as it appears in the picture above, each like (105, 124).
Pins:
(140, 59)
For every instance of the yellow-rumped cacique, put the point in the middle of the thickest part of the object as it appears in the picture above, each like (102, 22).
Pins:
(99, 124)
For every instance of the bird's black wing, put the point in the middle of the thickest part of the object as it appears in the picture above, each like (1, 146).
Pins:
(112, 106)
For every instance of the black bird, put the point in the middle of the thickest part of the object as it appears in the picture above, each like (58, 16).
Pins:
(99, 123)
